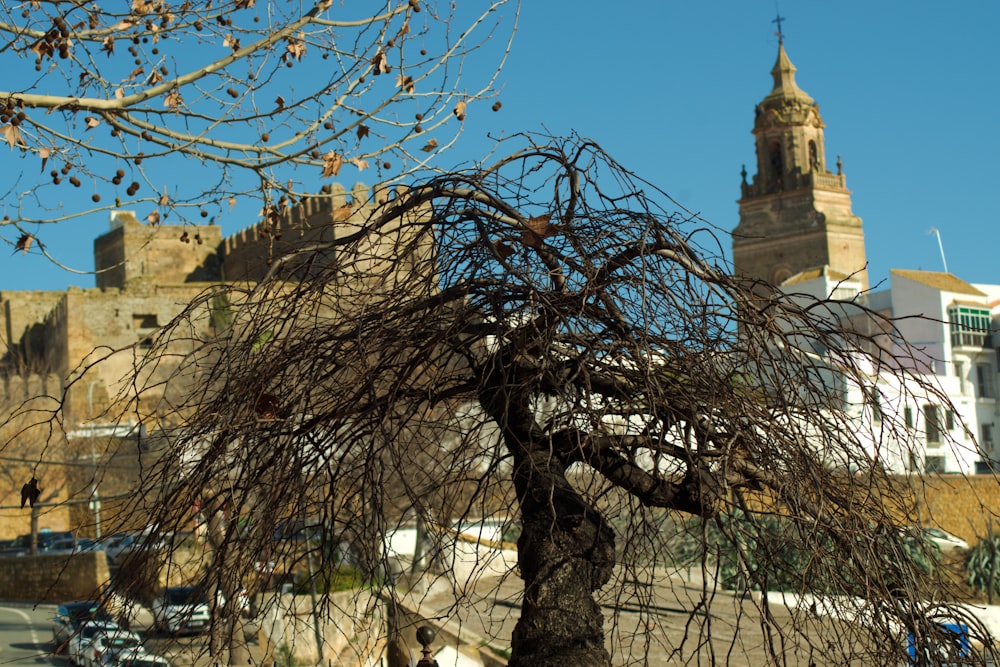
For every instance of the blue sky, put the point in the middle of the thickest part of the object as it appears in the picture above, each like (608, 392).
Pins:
(908, 90)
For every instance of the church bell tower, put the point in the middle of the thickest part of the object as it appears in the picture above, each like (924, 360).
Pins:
(795, 214)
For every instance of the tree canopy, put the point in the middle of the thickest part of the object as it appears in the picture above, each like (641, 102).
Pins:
(183, 111)
(550, 338)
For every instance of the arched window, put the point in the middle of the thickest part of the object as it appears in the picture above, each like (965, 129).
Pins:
(777, 164)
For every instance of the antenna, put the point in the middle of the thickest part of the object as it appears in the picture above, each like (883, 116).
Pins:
(935, 231)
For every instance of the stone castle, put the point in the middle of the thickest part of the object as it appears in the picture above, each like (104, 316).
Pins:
(77, 347)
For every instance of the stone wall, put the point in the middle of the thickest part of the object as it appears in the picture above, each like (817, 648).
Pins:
(956, 504)
(52, 578)
(166, 254)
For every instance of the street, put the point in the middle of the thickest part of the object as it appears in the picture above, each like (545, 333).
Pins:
(26, 635)
(26, 638)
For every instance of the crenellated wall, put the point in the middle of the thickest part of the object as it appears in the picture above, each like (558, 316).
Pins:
(82, 346)
(166, 254)
(249, 254)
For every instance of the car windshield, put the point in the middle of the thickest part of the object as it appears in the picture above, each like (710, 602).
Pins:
(89, 631)
(185, 595)
(118, 642)
(87, 612)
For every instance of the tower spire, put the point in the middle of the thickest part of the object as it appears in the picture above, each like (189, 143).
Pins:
(795, 214)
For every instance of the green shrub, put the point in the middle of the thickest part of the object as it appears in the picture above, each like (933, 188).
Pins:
(333, 580)
(781, 554)
(983, 566)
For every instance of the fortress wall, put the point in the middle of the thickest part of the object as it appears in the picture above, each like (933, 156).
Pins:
(249, 254)
(165, 253)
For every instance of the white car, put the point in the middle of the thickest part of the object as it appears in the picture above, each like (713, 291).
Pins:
(70, 616)
(945, 541)
(136, 657)
(113, 641)
(83, 635)
(181, 609)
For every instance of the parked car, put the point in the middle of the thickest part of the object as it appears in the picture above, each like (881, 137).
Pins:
(47, 537)
(22, 545)
(116, 545)
(181, 609)
(72, 545)
(138, 657)
(115, 640)
(120, 546)
(79, 641)
(944, 540)
(70, 616)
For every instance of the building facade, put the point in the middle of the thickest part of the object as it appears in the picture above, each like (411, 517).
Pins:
(797, 232)
(69, 360)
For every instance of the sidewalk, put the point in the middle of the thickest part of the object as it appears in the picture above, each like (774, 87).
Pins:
(673, 620)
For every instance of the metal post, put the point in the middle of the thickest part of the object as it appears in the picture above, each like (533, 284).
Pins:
(95, 493)
(425, 635)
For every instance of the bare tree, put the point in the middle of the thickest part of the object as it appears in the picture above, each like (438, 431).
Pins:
(544, 334)
(258, 102)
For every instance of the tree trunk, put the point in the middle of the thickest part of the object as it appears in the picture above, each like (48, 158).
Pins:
(565, 553)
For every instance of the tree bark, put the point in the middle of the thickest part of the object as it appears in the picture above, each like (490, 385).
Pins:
(566, 552)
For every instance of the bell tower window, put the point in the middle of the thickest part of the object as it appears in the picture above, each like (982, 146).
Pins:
(777, 162)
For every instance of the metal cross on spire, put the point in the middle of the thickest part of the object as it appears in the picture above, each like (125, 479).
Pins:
(780, 35)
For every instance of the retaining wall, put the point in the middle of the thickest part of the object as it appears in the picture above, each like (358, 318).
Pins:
(52, 578)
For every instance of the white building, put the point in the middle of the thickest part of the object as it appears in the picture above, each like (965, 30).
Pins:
(950, 329)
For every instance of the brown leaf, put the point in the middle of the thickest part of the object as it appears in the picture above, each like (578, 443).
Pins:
(362, 131)
(360, 164)
(155, 77)
(44, 153)
(331, 164)
(12, 135)
(459, 109)
(91, 122)
(406, 83)
(138, 71)
(108, 45)
(154, 217)
(380, 63)
(503, 249)
(279, 102)
(295, 48)
(232, 203)
(430, 146)
(173, 99)
(538, 230)
(24, 243)
(164, 198)
(42, 49)
(542, 227)
(342, 213)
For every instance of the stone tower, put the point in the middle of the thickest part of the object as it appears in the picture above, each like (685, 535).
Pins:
(795, 214)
